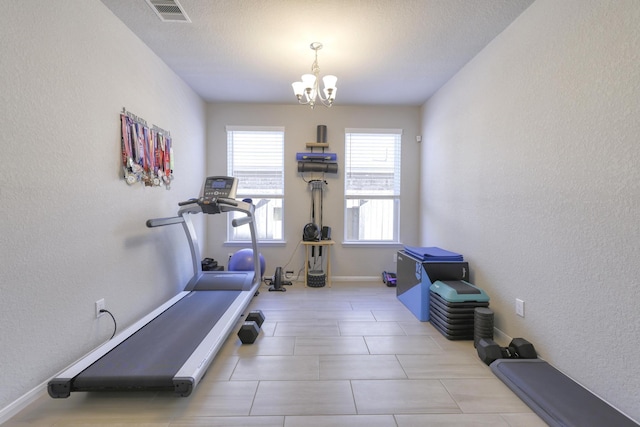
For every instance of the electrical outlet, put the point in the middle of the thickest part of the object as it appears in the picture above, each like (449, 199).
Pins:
(100, 305)
(519, 307)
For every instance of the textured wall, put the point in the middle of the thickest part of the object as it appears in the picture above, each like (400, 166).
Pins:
(531, 170)
(72, 231)
(300, 124)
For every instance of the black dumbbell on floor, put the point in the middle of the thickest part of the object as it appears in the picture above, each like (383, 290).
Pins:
(250, 329)
(255, 316)
(518, 348)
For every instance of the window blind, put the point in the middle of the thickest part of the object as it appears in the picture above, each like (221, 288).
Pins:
(255, 155)
(372, 163)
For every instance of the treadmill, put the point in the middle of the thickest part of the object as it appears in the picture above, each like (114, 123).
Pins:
(172, 347)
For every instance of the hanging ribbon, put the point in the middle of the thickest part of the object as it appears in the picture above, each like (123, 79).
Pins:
(147, 156)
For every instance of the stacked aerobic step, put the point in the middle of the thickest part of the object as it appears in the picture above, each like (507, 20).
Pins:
(452, 305)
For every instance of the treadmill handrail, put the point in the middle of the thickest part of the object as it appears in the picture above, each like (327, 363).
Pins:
(223, 205)
(160, 222)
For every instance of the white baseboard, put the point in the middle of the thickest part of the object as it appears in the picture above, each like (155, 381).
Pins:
(348, 279)
(356, 279)
(22, 402)
(500, 337)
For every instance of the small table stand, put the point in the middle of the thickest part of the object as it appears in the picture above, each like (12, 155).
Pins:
(320, 243)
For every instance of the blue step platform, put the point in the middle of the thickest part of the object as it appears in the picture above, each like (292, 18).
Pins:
(415, 276)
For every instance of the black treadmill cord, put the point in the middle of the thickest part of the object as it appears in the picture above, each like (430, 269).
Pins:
(115, 326)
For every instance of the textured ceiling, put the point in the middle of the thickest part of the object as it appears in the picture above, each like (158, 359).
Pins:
(384, 52)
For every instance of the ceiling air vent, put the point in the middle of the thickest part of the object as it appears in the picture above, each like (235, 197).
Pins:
(169, 10)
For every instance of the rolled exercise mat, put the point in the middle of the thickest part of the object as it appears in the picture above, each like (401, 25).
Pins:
(322, 133)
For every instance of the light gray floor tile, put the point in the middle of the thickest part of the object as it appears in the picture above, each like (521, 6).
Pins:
(370, 328)
(402, 397)
(325, 328)
(303, 398)
(221, 369)
(102, 407)
(340, 421)
(229, 422)
(280, 368)
(444, 365)
(93, 422)
(453, 345)
(484, 396)
(290, 315)
(451, 420)
(266, 330)
(414, 327)
(333, 304)
(216, 398)
(403, 345)
(379, 304)
(366, 367)
(330, 345)
(524, 420)
(267, 346)
(401, 314)
(342, 315)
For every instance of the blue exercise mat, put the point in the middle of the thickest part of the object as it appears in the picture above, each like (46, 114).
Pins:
(432, 254)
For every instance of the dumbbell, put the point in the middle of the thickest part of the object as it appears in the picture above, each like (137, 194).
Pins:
(518, 348)
(250, 329)
(255, 316)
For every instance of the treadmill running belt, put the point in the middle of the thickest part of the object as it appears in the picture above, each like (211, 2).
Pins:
(151, 357)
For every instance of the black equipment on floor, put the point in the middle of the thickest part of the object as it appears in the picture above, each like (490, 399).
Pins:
(389, 278)
(556, 398)
(172, 347)
(482, 324)
(316, 278)
(210, 264)
(452, 305)
(519, 348)
(277, 281)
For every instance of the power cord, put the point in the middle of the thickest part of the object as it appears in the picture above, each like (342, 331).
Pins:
(292, 254)
(115, 325)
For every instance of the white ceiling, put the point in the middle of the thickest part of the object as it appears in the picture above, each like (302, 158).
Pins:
(384, 52)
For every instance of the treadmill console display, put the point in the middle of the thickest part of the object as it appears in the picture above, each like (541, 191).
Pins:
(219, 186)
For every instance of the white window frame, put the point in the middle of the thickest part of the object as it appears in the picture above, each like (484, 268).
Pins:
(273, 162)
(358, 158)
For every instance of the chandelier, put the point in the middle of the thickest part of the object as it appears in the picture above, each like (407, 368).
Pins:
(308, 90)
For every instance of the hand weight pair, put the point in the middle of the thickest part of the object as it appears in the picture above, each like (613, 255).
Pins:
(518, 348)
(250, 329)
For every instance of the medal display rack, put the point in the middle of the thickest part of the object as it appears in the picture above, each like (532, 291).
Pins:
(147, 152)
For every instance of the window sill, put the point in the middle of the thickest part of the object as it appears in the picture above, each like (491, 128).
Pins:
(372, 243)
(260, 243)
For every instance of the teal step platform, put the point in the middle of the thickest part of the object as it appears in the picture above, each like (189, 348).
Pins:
(452, 305)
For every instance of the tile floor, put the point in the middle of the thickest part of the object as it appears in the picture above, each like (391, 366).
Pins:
(350, 355)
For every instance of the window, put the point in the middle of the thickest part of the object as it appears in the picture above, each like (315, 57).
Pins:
(255, 155)
(372, 185)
